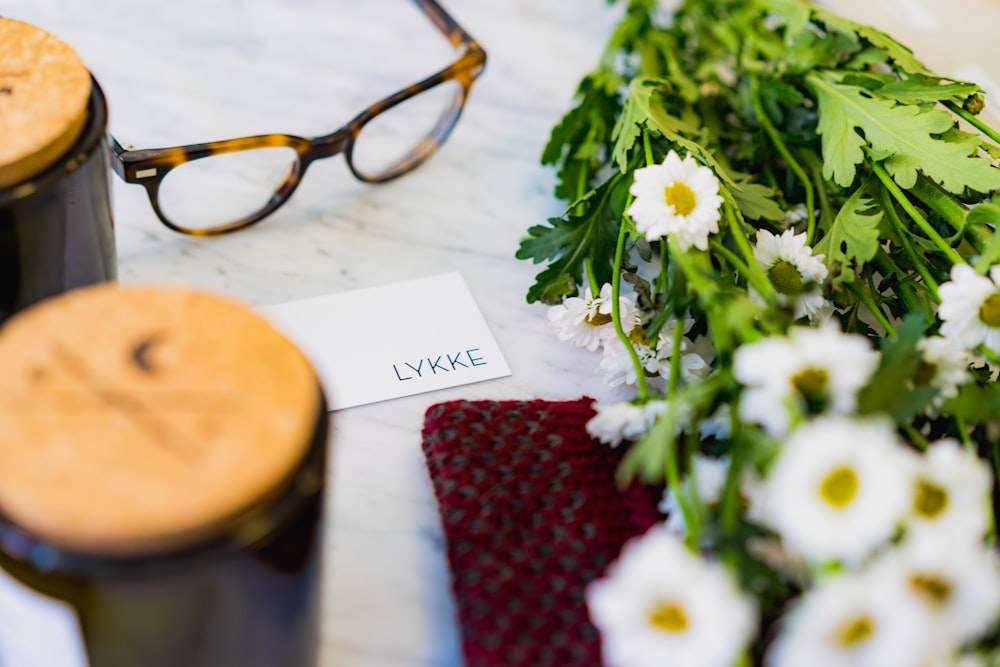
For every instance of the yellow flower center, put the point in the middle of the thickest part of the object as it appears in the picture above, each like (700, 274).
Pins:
(811, 384)
(933, 587)
(668, 617)
(924, 374)
(598, 319)
(989, 312)
(854, 631)
(930, 499)
(785, 277)
(681, 198)
(839, 487)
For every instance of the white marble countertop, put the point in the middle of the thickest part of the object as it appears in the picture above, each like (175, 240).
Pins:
(189, 71)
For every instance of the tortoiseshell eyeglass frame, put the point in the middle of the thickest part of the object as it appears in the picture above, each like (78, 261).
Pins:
(148, 167)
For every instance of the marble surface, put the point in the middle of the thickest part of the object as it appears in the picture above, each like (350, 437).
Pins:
(187, 71)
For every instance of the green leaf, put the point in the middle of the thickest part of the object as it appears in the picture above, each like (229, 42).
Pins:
(987, 215)
(589, 228)
(577, 143)
(921, 88)
(644, 92)
(774, 94)
(854, 236)
(975, 403)
(647, 458)
(901, 55)
(627, 130)
(891, 389)
(903, 132)
(757, 202)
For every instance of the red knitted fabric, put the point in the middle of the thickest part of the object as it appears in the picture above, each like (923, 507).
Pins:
(531, 515)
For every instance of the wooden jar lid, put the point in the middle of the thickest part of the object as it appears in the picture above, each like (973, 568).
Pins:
(139, 420)
(44, 92)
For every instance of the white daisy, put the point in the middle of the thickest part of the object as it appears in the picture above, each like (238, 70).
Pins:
(678, 197)
(796, 214)
(952, 494)
(970, 307)
(815, 370)
(838, 489)
(586, 321)
(654, 356)
(797, 274)
(617, 422)
(853, 620)
(944, 365)
(661, 605)
(709, 479)
(957, 585)
(718, 425)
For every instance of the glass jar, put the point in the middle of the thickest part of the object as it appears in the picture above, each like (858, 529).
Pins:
(56, 229)
(162, 468)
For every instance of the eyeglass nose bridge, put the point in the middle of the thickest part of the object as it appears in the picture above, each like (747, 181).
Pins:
(329, 145)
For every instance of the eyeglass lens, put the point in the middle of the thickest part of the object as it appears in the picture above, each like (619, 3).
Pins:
(409, 130)
(223, 189)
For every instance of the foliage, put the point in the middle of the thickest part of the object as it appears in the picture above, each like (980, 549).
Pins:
(813, 126)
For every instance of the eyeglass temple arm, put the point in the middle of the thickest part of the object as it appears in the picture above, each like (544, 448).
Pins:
(117, 162)
(443, 21)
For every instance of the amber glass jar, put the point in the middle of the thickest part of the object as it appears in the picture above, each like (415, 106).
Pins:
(162, 465)
(56, 229)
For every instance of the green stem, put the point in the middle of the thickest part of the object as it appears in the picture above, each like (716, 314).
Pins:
(616, 316)
(674, 482)
(963, 432)
(735, 260)
(872, 308)
(974, 121)
(953, 211)
(705, 289)
(755, 274)
(903, 287)
(912, 211)
(787, 156)
(675, 357)
(588, 267)
(647, 148)
(916, 438)
(911, 252)
(816, 170)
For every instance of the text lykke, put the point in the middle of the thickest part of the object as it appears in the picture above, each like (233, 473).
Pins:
(444, 363)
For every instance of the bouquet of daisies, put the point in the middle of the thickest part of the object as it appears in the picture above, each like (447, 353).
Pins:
(781, 245)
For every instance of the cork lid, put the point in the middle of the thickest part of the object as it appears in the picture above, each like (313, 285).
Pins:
(137, 420)
(44, 91)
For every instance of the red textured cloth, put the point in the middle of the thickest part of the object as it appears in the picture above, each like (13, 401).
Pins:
(531, 515)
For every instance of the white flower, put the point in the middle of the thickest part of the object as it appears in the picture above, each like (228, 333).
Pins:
(796, 214)
(654, 356)
(951, 499)
(678, 197)
(795, 272)
(662, 605)
(586, 321)
(616, 422)
(945, 366)
(709, 478)
(853, 620)
(718, 425)
(970, 307)
(814, 369)
(838, 489)
(957, 585)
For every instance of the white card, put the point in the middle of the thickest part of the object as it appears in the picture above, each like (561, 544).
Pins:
(397, 340)
(36, 631)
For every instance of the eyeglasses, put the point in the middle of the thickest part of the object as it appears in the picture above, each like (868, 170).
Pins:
(223, 186)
